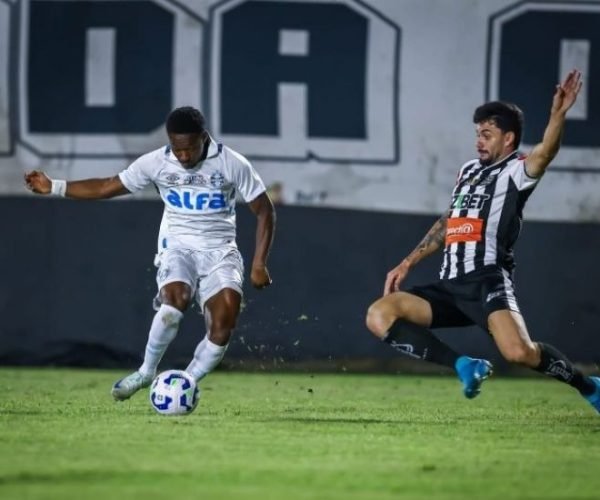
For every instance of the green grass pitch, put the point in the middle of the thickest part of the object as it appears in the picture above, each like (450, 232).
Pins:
(297, 436)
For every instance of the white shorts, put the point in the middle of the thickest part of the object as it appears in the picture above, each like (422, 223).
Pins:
(207, 272)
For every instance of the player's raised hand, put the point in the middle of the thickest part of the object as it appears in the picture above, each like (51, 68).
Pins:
(395, 277)
(259, 276)
(566, 92)
(38, 182)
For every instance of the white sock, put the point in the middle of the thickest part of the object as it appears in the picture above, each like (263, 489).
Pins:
(162, 332)
(206, 357)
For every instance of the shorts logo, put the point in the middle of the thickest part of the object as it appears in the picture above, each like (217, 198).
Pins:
(163, 272)
(463, 230)
(494, 295)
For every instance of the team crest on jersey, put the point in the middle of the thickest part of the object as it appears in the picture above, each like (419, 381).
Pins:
(217, 180)
(477, 180)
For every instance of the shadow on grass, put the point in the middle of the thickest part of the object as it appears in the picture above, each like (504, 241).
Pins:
(357, 421)
(59, 477)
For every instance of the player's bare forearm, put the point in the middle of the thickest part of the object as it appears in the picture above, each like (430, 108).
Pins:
(95, 189)
(431, 243)
(564, 98)
(544, 152)
(38, 182)
(263, 208)
(553, 134)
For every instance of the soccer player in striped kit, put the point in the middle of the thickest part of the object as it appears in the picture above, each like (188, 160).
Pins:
(477, 235)
(197, 259)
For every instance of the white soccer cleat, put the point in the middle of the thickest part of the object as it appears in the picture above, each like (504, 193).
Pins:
(129, 385)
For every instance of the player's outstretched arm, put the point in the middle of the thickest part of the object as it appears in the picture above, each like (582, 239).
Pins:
(262, 207)
(87, 189)
(431, 243)
(564, 97)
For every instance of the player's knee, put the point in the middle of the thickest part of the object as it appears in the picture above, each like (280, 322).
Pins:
(177, 294)
(223, 325)
(522, 354)
(177, 299)
(377, 321)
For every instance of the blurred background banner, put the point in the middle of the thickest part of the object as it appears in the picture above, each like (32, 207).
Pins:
(357, 114)
(352, 104)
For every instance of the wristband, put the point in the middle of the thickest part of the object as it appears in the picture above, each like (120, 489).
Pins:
(59, 187)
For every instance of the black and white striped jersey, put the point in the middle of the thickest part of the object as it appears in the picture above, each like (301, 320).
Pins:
(485, 215)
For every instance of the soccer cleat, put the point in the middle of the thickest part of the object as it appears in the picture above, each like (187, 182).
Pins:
(129, 385)
(594, 397)
(472, 372)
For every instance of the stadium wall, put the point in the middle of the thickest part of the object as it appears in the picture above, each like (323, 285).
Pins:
(358, 126)
(78, 281)
(368, 110)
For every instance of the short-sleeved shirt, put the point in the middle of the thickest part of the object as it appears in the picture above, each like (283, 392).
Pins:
(199, 202)
(485, 215)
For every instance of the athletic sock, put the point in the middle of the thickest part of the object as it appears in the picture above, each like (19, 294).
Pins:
(556, 365)
(418, 342)
(206, 357)
(162, 332)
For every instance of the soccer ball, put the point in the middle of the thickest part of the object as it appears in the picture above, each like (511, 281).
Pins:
(174, 392)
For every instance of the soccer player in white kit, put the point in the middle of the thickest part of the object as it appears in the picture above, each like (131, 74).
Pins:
(198, 259)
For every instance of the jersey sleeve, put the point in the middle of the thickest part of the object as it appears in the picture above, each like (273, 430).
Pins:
(520, 177)
(139, 174)
(245, 178)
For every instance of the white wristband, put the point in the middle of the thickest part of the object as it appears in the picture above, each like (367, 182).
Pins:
(59, 187)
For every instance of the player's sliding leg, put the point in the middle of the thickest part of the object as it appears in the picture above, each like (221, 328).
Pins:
(512, 338)
(556, 365)
(418, 342)
(221, 311)
(401, 319)
(162, 332)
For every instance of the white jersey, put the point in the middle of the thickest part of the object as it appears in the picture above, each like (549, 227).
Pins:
(199, 202)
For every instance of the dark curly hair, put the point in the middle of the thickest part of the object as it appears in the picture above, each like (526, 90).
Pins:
(507, 116)
(185, 120)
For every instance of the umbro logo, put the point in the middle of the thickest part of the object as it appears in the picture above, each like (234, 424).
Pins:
(493, 295)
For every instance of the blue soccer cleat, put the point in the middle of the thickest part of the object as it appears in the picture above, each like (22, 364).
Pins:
(472, 372)
(594, 398)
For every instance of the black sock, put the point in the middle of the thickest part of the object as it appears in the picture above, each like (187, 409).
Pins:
(556, 365)
(418, 342)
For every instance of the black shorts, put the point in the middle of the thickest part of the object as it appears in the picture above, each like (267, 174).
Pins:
(469, 299)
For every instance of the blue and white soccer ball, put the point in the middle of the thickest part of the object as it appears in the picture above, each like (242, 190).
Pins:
(174, 392)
